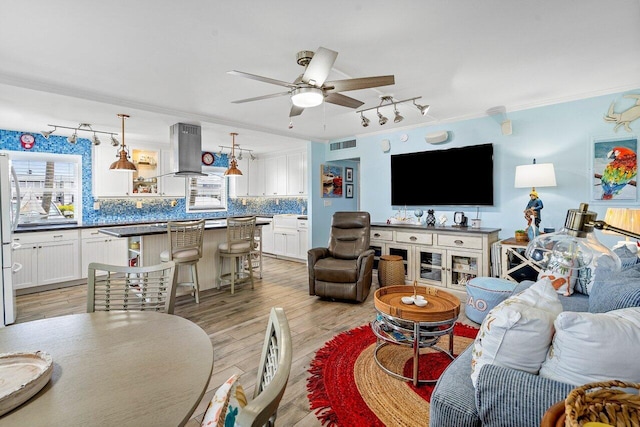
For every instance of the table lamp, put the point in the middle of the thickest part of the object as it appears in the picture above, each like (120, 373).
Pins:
(627, 219)
(575, 248)
(535, 175)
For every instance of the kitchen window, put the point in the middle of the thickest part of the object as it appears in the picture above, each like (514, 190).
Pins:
(207, 193)
(49, 187)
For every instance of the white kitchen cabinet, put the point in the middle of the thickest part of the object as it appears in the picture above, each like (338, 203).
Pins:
(256, 177)
(303, 238)
(239, 185)
(276, 176)
(267, 237)
(107, 182)
(170, 185)
(286, 242)
(297, 174)
(100, 247)
(46, 258)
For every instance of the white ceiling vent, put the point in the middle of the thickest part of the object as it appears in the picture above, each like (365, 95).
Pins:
(342, 145)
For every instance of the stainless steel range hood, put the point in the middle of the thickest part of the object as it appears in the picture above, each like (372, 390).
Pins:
(186, 142)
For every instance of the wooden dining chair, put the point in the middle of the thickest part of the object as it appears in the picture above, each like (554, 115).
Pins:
(273, 375)
(116, 287)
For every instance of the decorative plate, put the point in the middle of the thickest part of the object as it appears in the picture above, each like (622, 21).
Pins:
(22, 375)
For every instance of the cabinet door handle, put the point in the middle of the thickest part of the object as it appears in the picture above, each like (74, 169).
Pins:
(458, 242)
(376, 235)
(58, 236)
(413, 238)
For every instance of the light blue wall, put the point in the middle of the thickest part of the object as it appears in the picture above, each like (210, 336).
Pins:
(561, 134)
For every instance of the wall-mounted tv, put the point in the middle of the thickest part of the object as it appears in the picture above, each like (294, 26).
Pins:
(457, 177)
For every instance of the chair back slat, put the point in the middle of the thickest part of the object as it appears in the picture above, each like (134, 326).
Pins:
(241, 230)
(184, 235)
(112, 287)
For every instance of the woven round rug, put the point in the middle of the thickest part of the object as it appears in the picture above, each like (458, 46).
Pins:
(347, 387)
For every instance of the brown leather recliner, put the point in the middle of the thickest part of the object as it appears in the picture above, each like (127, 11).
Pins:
(344, 269)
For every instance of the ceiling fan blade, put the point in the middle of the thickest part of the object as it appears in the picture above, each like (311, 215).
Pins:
(296, 111)
(258, 98)
(345, 101)
(261, 79)
(319, 67)
(359, 83)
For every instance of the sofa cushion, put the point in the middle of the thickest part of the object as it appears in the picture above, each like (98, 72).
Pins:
(591, 347)
(523, 321)
(484, 293)
(606, 295)
(336, 270)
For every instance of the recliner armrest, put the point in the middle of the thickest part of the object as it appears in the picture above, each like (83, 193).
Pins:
(510, 398)
(363, 256)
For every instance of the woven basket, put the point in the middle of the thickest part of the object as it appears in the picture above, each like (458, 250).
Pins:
(390, 270)
(601, 402)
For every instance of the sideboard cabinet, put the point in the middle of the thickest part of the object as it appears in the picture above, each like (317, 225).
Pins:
(440, 256)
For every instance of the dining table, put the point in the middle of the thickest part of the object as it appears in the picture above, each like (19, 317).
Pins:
(113, 368)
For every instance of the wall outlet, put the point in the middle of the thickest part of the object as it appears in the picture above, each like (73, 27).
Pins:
(96, 206)
(139, 204)
(174, 203)
(277, 202)
(244, 202)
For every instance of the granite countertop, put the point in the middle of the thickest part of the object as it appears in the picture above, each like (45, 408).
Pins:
(437, 228)
(161, 228)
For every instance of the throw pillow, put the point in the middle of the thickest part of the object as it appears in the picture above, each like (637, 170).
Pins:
(593, 347)
(517, 332)
(612, 293)
(484, 293)
(590, 274)
(225, 405)
(562, 274)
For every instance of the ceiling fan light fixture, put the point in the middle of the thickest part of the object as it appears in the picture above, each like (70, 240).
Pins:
(306, 97)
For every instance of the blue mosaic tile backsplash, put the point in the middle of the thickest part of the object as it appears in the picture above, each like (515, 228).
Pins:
(124, 210)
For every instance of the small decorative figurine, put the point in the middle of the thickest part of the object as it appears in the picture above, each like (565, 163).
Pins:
(442, 220)
(431, 218)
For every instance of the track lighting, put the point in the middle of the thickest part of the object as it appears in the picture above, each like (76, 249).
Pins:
(236, 146)
(365, 121)
(398, 117)
(386, 101)
(251, 156)
(83, 127)
(422, 108)
(240, 156)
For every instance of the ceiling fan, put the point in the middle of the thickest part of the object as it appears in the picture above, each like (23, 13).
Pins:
(311, 88)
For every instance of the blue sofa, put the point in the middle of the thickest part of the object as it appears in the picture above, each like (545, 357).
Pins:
(510, 398)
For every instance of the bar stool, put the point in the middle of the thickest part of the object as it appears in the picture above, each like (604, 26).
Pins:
(239, 245)
(391, 270)
(185, 248)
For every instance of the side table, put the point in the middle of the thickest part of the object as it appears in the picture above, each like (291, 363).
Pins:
(513, 248)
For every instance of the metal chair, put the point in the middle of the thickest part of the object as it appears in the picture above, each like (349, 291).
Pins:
(273, 373)
(238, 247)
(185, 248)
(116, 287)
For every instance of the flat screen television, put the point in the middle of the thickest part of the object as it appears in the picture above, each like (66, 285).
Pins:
(455, 177)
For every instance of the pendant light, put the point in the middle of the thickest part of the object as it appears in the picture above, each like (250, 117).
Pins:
(123, 163)
(233, 164)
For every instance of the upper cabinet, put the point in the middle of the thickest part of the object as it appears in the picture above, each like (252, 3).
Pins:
(153, 176)
(278, 175)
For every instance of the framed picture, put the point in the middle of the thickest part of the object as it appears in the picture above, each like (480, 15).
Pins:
(348, 175)
(614, 169)
(349, 191)
(331, 180)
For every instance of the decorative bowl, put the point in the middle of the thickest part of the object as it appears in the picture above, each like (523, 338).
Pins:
(421, 302)
(407, 300)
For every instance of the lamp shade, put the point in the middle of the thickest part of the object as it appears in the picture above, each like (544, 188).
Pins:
(625, 218)
(535, 175)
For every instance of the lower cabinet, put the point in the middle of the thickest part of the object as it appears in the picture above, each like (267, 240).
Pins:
(267, 237)
(286, 242)
(99, 247)
(290, 239)
(46, 258)
(439, 257)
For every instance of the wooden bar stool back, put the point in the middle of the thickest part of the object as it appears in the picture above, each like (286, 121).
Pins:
(237, 248)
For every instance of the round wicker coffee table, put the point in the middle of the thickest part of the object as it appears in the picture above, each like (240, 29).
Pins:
(408, 325)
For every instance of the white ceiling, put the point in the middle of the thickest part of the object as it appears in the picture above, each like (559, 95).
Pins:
(163, 62)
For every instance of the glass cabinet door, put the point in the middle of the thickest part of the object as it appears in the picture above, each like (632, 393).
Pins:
(462, 267)
(405, 252)
(431, 266)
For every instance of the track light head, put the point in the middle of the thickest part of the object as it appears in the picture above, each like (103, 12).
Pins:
(251, 156)
(422, 108)
(365, 121)
(96, 140)
(73, 138)
(114, 141)
(46, 133)
(382, 119)
(240, 155)
(398, 118)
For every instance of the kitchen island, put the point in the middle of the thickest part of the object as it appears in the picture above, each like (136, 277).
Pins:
(147, 241)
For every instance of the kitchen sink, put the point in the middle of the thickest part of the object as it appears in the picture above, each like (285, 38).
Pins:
(285, 221)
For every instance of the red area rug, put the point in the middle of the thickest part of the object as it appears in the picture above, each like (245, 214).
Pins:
(347, 388)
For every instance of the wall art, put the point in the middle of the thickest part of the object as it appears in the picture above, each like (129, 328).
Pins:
(331, 180)
(614, 169)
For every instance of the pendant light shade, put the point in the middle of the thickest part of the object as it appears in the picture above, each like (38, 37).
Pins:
(123, 162)
(233, 164)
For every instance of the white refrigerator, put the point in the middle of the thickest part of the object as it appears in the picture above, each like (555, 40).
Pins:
(9, 219)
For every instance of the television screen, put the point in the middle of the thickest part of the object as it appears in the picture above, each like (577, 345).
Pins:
(457, 176)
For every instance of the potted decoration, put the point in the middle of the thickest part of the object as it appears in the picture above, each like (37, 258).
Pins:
(521, 236)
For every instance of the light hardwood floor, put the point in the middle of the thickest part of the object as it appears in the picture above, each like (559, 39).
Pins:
(236, 325)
